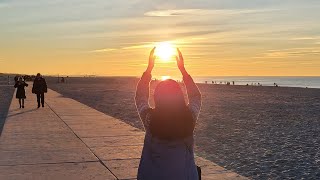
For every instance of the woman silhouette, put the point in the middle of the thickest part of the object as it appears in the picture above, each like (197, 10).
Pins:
(168, 146)
(21, 93)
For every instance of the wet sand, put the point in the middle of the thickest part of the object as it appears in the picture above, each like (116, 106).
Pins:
(259, 132)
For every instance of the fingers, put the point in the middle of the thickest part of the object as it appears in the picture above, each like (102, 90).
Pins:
(152, 52)
(151, 60)
(180, 54)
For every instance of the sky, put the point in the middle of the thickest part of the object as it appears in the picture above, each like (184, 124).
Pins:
(114, 37)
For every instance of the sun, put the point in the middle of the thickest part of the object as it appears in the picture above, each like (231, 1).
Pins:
(163, 78)
(165, 51)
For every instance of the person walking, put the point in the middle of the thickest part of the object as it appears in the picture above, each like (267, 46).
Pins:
(39, 88)
(168, 151)
(21, 93)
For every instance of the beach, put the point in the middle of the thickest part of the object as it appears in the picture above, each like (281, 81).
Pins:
(6, 94)
(258, 132)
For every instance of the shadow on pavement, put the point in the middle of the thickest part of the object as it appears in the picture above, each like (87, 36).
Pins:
(22, 112)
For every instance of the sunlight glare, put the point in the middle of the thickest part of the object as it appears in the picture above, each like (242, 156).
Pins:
(164, 78)
(165, 51)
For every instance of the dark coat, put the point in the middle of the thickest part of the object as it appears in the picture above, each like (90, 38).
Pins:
(39, 86)
(21, 93)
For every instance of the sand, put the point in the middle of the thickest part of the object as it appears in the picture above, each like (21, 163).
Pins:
(259, 132)
(6, 94)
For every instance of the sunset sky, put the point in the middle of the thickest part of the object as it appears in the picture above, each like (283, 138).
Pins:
(114, 37)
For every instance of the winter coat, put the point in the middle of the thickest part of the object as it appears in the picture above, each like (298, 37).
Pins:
(39, 86)
(21, 93)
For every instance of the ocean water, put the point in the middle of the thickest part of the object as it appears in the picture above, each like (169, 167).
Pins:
(310, 82)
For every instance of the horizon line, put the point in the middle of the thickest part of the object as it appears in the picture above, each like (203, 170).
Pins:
(93, 75)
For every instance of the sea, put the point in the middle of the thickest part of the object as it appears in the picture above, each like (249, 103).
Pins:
(282, 81)
(305, 82)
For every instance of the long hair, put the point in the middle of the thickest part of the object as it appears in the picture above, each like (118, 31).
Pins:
(171, 119)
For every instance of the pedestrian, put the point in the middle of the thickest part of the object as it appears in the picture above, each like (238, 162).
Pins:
(21, 93)
(39, 88)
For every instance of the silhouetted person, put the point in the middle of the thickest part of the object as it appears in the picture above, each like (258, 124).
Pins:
(16, 79)
(168, 146)
(39, 88)
(21, 93)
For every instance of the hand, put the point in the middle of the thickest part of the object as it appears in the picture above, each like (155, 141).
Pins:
(180, 62)
(152, 57)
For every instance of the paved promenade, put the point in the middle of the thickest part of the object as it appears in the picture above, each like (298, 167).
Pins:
(69, 140)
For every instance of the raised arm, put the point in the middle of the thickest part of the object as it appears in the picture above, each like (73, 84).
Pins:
(142, 92)
(193, 92)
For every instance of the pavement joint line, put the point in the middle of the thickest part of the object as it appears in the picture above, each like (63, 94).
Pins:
(121, 159)
(116, 146)
(112, 136)
(82, 115)
(32, 164)
(101, 162)
(109, 136)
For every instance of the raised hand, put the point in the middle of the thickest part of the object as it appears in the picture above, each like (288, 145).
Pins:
(152, 57)
(180, 62)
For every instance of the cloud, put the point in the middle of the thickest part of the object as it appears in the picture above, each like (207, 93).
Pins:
(203, 12)
(102, 50)
(306, 38)
(4, 5)
(164, 13)
(139, 46)
(293, 52)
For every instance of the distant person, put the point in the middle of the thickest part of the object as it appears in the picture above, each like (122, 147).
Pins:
(21, 93)
(39, 88)
(16, 79)
(168, 151)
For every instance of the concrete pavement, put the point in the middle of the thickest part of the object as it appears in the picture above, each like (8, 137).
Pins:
(69, 140)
